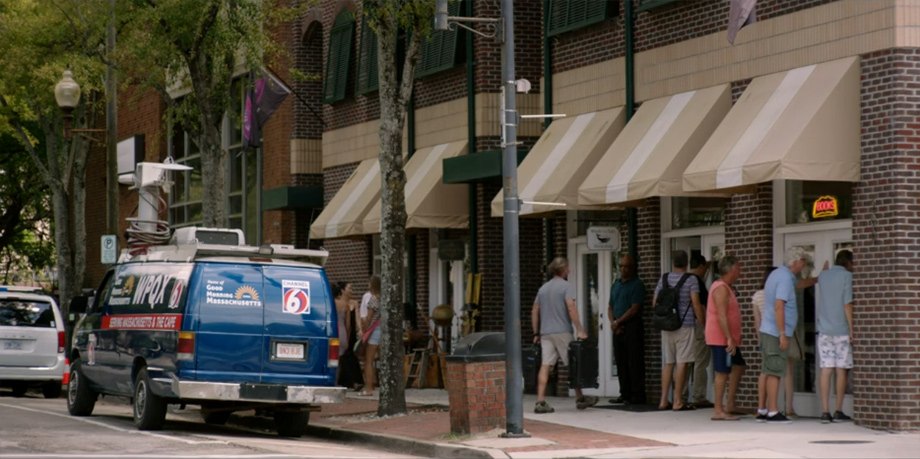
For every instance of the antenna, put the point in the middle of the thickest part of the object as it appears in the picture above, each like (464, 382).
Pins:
(147, 229)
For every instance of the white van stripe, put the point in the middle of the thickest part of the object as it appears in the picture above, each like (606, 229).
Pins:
(618, 188)
(553, 159)
(730, 170)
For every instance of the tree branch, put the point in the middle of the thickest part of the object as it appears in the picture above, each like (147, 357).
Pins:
(27, 142)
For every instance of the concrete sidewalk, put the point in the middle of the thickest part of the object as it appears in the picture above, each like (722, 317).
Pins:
(602, 433)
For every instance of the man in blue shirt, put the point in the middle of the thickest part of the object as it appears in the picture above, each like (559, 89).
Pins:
(624, 311)
(834, 313)
(780, 315)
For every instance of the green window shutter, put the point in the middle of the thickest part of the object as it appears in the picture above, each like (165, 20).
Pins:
(568, 15)
(367, 61)
(439, 51)
(338, 59)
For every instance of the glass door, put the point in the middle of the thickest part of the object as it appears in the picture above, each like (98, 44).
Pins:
(593, 274)
(822, 246)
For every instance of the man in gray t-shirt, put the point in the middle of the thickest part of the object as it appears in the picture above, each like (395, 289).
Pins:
(834, 313)
(553, 316)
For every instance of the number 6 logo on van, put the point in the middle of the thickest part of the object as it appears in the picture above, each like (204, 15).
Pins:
(296, 297)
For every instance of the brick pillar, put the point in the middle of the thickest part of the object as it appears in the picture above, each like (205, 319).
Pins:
(749, 236)
(650, 271)
(476, 393)
(886, 377)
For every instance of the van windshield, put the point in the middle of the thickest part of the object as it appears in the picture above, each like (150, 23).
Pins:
(21, 313)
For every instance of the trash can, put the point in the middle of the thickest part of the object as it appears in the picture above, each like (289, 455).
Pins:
(476, 383)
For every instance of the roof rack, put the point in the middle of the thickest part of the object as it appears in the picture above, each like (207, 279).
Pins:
(194, 250)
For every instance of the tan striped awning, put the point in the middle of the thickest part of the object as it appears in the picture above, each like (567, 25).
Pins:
(803, 124)
(649, 157)
(559, 162)
(430, 203)
(344, 214)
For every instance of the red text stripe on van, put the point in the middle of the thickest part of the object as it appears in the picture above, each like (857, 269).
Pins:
(143, 322)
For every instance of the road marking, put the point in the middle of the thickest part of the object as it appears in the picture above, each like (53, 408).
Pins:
(171, 456)
(115, 428)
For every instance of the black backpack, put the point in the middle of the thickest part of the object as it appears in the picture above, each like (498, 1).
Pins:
(667, 312)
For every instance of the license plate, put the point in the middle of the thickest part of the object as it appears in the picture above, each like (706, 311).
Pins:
(290, 351)
(12, 345)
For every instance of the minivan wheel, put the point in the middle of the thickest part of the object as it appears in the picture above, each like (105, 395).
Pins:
(20, 389)
(149, 408)
(52, 389)
(291, 423)
(81, 399)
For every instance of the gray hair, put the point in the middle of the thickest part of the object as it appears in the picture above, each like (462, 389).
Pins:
(558, 266)
(794, 254)
(726, 263)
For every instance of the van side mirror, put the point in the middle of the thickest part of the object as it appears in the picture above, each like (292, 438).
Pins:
(78, 304)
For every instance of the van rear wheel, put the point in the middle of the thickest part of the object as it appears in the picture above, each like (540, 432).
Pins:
(291, 423)
(81, 399)
(149, 408)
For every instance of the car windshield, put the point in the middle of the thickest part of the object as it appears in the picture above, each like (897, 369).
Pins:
(22, 313)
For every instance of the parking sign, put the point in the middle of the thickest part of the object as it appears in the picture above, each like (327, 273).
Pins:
(109, 246)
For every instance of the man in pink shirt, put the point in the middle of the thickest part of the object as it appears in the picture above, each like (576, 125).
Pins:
(723, 335)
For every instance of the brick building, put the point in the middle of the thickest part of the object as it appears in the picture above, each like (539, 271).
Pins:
(732, 149)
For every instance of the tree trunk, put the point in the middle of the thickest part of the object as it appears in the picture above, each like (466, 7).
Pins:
(213, 157)
(394, 92)
(392, 248)
(213, 171)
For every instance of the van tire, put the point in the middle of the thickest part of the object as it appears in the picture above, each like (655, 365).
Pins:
(81, 399)
(291, 423)
(52, 389)
(149, 408)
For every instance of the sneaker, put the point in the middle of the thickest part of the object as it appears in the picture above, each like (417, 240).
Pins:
(826, 418)
(840, 416)
(543, 408)
(585, 402)
(778, 418)
(760, 417)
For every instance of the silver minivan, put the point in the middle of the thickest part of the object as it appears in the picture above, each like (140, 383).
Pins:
(31, 342)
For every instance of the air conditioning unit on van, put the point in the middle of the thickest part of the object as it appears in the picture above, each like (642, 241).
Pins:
(192, 235)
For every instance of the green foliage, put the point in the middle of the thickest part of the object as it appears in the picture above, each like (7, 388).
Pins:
(160, 41)
(38, 41)
(26, 245)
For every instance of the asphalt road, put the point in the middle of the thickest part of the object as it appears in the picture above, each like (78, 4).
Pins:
(33, 427)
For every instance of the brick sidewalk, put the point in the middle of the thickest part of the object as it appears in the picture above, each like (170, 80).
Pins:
(431, 423)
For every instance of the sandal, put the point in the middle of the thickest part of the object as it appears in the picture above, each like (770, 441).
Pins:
(365, 393)
(685, 408)
(664, 408)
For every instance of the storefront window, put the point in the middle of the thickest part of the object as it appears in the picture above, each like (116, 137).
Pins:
(695, 212)
(818, 201)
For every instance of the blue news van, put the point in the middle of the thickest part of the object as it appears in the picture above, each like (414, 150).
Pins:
(225, 326)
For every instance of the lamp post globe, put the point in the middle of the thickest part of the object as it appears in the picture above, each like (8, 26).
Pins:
(67, 95)
(67, 91)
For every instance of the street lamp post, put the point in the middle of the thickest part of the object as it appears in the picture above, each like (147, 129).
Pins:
(67, 95)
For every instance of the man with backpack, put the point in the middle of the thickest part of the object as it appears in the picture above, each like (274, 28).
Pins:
(677, 309)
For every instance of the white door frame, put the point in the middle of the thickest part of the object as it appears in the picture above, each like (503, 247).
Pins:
(608, 385)
(823, 237)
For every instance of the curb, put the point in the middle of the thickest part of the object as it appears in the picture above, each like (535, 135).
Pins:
(405, 445)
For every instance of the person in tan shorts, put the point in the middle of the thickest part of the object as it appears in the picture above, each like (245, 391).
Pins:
(553, 316)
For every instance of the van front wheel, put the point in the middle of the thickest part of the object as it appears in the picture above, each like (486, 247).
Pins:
(81, 399)
(291, 423)
(149, 408)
